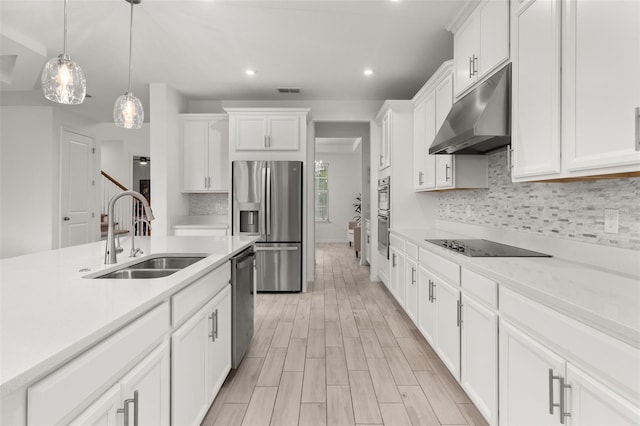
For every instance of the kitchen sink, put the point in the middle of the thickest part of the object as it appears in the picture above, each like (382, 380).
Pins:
(157, 267)
(138, 273)
(166, 263)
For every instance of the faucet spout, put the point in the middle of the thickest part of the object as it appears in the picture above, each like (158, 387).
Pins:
(110, 254)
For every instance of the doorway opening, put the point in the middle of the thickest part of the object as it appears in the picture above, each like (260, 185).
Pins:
(341, 186)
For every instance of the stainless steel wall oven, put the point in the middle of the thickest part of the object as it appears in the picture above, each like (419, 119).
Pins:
(384, 212)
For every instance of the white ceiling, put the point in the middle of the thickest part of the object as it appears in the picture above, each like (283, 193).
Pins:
(202, 48)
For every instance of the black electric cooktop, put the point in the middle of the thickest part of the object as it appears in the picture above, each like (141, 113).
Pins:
(485, 248)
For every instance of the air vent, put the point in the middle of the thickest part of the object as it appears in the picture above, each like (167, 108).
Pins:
(288, 90)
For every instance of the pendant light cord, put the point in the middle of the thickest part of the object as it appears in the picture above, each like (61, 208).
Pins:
(130, 43)
(64, 49)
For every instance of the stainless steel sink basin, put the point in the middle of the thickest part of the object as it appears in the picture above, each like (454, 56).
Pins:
(166, 263)
(138, 273)
(157, 267)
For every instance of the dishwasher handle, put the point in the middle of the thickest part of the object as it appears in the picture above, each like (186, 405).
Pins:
(247, 256)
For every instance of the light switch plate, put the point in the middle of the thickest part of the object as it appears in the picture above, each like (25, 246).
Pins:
(611, 221)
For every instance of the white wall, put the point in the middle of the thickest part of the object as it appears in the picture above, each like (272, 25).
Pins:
(26, 153)
(166, 153)
(117, 148)
(345, 183)
(30, 198)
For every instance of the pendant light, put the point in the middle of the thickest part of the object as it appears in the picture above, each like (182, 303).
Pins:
(128, 111)
(62, 79)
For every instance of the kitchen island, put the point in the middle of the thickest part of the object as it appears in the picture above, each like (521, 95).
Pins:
(52, 310)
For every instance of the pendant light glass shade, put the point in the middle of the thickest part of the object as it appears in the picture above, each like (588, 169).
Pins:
(62, 79)
(128, 111)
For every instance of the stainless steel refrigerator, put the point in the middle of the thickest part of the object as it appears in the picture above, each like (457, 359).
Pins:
(267, 201)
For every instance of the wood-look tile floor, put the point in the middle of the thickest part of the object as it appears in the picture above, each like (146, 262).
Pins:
(344, 353)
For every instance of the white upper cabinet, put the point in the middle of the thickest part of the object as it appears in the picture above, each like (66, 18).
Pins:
(481, 44)
(205, 152)
(437, 172)
(536, 88)
(386, 136)
(583, 121)
(419, 145)
(256, 129)
(601, 87)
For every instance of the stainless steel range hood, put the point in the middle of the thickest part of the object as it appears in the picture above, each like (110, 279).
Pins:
(479, 122)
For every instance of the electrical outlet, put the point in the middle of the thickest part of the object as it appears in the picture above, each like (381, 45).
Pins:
(468, 211)
(611, 221)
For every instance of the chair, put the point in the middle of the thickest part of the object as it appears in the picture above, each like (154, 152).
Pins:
(353, 235)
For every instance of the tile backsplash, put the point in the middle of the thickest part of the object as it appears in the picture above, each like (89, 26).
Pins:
(572, 210)
(208, 204)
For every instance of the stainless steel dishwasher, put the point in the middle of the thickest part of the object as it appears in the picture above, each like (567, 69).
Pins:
(242, 304)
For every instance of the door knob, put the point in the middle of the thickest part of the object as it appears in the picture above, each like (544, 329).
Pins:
(66, 218)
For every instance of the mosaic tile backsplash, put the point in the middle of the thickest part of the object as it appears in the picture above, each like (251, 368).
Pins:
(571, 210)
(208, 204)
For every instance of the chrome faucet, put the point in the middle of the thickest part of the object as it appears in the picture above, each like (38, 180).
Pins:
(111, 251)
(135, 251)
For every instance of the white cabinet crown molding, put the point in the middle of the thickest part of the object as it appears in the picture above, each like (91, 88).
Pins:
(463, 14)
(442, 72)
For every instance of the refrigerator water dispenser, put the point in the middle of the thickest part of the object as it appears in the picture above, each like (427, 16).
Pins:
(249, 220)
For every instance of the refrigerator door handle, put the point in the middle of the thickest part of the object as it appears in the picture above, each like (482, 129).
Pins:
(268, 199)
(263, 212)
(276, 249)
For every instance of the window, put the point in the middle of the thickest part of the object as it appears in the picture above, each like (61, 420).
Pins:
(322, 191)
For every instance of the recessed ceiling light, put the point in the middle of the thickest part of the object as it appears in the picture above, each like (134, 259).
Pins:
(250, 72)
(368, 72)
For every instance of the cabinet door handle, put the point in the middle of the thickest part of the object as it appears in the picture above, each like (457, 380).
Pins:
(212, 335)
(413, 276)
(368, 239)
(459, 313)
(470, 67)
(420, 178)
(125, 410)
(446, 172)
(381, 159)
(216, 324)
(475, 65)
(393, 260)
(551, 379)
(430, 290)
(563, 388)
(638, 129)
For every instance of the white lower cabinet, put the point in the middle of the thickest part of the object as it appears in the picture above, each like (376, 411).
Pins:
(427, 319)
(411, 289)
(539, 387)
(591, 403)
(104, 411)
(479, 356)
(201, 359)
(528, 389)
(142, 396)
(447, 325)
(397, 260)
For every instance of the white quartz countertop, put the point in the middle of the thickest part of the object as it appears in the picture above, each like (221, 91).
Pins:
(602, 299)
(50, 311)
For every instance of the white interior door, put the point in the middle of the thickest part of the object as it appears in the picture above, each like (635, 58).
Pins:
(77, 189)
